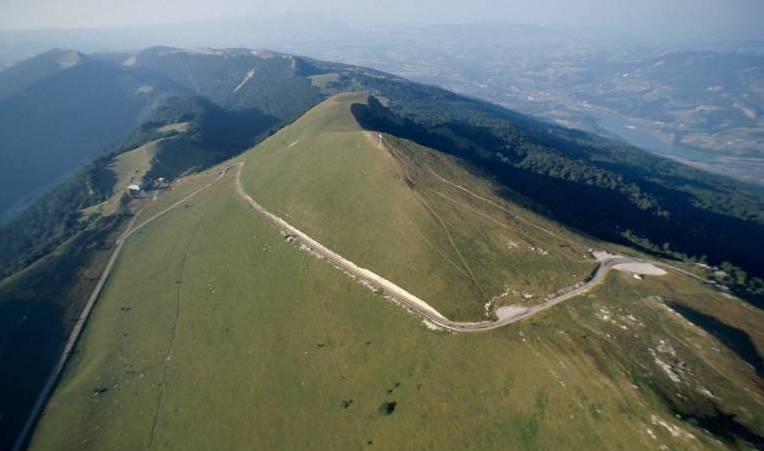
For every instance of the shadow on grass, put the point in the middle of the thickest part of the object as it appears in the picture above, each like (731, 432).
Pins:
(735, 339)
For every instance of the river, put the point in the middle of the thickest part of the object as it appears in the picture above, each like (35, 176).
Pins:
(628, 131)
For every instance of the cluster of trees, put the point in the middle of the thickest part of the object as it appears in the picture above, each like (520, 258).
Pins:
(727, 274)
(54, 218)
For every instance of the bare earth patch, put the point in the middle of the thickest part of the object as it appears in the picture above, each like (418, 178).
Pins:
(646, 269)
(144, 89)
(179, 127)
(509, 311)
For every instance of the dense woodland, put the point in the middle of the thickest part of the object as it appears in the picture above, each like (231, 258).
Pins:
(53, 219)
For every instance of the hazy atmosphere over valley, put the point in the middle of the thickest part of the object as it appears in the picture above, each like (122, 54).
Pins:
(339, 225)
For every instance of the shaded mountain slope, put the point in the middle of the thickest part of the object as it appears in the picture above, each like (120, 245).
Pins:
(272, 82)
(186, 134)
(38, 68)
(52, 127)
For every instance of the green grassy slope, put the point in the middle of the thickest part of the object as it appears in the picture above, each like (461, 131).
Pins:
(216, 333)
(387, 212)
(39, 304)
(38, 307)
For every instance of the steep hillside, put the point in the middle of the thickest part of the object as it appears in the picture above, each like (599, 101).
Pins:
(272, 82)
(184, 134)
(62, 109)
(216, 331)
(38, 308)
(418, 229)
(611, 191)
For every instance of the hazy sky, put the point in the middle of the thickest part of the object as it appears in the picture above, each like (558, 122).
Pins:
(720, 15)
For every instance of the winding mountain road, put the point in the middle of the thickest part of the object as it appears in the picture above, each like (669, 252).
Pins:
(388, 288)
(414, 303)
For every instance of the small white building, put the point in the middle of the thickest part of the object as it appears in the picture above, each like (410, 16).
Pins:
(134, 188)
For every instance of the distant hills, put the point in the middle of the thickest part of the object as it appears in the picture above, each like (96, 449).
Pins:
(34, 70)
(237, 79)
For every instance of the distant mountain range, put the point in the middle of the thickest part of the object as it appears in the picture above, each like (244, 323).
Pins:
(707, 114)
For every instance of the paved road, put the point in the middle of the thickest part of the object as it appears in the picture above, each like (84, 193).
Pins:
(411, 301)
(79, 324)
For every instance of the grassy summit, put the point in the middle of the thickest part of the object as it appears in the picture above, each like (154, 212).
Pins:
(215, 332)
(384, 208)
